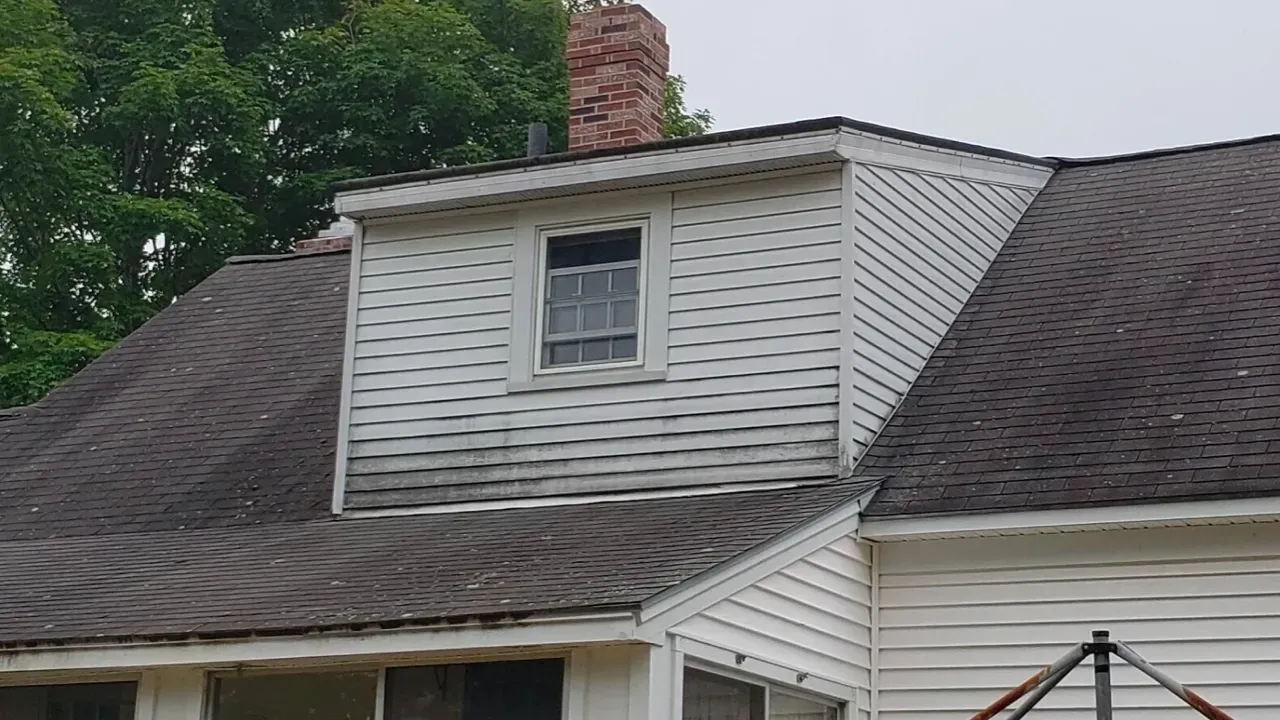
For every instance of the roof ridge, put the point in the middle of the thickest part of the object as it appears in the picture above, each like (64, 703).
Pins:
(1166, 152)
(250, 259)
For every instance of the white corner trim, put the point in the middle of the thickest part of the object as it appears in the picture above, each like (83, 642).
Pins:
(712, 658)
(869, 149)
(348, 373)
(1032, 522)
(594, 175)
(845, 373)
(552, 632)
(674, 605)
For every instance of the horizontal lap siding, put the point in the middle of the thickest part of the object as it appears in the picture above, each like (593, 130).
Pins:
(922, 243)
(752, 362)
(964, 620)
(814, 616)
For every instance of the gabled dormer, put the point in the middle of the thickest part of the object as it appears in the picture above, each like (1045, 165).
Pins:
(743, 308)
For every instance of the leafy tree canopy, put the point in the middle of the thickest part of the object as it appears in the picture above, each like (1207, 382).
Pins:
(144, 141)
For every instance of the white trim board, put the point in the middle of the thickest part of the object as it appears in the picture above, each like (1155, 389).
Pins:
(348, 374)
(1035, 522)
(569, 631)
(678, 165)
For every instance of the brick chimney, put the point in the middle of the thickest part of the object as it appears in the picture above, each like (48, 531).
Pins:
(337, 236)
(618, 61)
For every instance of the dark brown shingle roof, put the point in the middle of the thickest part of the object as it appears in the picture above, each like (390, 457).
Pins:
(181, 484)
(221, 411)
(295, 577)
(1124, 347)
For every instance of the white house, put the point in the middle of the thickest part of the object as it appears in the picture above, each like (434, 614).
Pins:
(803, 422)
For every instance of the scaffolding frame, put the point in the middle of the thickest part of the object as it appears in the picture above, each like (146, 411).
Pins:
(1102, 647)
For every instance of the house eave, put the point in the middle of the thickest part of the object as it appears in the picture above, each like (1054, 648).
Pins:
(1040, 522)
(646, 168)
(548, 632)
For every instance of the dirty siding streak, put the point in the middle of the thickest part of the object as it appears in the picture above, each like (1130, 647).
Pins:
(813, 616)
(751, 388)
(922, 243)
(962, 621)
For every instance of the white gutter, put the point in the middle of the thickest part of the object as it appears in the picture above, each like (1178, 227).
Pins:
(1034, 522)
(568, 631)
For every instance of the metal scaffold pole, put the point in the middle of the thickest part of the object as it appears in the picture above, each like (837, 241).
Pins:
(1101, 648)
(1036, 687)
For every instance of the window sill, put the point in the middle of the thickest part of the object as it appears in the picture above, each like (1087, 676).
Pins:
(588, 379)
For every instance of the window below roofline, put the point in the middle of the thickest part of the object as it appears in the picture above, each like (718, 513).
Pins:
(530, 368)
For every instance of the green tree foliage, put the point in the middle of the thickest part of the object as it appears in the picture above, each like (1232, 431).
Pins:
(144, 141)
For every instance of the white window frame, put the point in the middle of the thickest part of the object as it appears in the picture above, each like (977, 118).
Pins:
(842, 709)
(545, 235)
(652, 213)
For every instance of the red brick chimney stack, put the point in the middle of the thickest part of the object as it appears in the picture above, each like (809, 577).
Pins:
(618, 62)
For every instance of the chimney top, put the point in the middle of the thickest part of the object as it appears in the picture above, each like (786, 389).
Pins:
(618, 63)
(338, 236)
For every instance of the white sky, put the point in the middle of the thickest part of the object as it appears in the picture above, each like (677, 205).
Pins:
(1044, 77)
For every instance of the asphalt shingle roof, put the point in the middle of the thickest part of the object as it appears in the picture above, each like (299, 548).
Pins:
(1124, 347)
(347, 574)
(222, 410)
(180, 486)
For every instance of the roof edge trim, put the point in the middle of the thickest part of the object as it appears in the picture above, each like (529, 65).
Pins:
(694, 141)
(599, 628)
(898, 528)
(1165, 152)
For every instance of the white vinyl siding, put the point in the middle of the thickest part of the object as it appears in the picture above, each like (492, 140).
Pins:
(751, 377)
(962, 621)
(922, 242)
(814, 616)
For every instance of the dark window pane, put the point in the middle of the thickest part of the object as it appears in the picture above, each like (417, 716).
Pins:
(564, 286)
(522, 690)
(596, 283)
(314, 696)
(563, 319)
(595, 350)
(425, 693)
(713, 697)
(562, 353)
(595, 316)
(624, 280)
(526, 690)
(97, 701)
(597, 248)
(624, 314)
(624, 348)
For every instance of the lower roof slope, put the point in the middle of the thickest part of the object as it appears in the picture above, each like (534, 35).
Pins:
(1124, 347)
(346, 574)
(222, 410)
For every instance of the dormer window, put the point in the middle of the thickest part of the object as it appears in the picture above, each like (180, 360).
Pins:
(592, 291)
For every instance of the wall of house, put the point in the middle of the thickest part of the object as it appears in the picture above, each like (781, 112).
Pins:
(962, 621)
(751, 382)
(814, 616)
(922, 242)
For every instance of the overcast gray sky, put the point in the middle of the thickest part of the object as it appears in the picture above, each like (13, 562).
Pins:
(1045, 77)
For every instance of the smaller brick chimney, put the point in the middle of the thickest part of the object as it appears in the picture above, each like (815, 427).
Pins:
(618, 62)
(337, 236)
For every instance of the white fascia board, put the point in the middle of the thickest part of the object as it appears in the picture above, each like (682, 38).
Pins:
(560, 632)
(1036, 522)
(674, 605)
(869, 149)
(593, 175)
